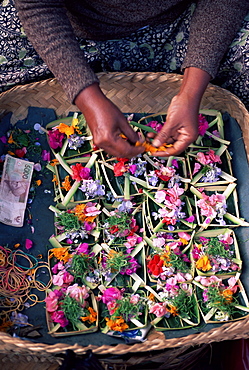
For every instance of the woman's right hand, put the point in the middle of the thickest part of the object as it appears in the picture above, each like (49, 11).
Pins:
(107, 123)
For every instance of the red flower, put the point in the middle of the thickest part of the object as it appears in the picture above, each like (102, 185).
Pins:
(21, 152)
(114, 229)
(80, 172)
(161, 176)
(119, 168)
(155, 265)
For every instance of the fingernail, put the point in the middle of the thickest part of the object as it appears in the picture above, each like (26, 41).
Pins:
(156, 143)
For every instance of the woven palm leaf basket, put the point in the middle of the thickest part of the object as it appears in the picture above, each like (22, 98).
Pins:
(138, 93)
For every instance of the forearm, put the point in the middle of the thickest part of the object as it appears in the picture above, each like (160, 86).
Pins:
(213, 26)
(49, 30)
(194, 84)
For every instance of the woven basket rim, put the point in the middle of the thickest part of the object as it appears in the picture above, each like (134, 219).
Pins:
(121, 87)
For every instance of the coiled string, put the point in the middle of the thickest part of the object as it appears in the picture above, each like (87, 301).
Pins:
(18, 277)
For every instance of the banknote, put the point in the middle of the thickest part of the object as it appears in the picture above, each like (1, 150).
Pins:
(14, 190)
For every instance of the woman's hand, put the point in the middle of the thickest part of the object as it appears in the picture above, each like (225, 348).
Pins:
(107, 123)
(181, 127)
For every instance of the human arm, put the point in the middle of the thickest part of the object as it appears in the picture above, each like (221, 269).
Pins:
(107, 123)
(181, 127)
(49, 29)
(212, 29)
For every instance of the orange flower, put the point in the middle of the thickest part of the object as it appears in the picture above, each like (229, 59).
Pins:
(65, 129)
(92, 317)
(54, 162)
(5, 325)
(11, 140)
(10, 153)
(203, 264)
(55, 180)
(38, 182)
(184, 241)
(116, 325)
(227, 294)
(173, 310)
(151, 297)
(79, 211)
(150, 148)
(61, 254)
(66, 183)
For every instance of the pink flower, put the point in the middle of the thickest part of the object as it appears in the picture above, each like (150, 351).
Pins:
(80, 172)
(111, 294)
(51, 302)
(3, 139)
(111, 306)
(68, 278)
(45, 155)
(132, 240)
(202, 125)
(158, 309)
(213, 158)
(206, 281)
(184, 235)
(190, 219)
(91, 210)
(132, 168)
(134, 299)
(232, 283)
(58, 279)
(28, 244)
(59, 318)
(55, 138)
(85, 173)
(58, 266)
(160, 196)
(80, 293)
(226, 238)
(158, 242)
(197, 167)
(82, 248)
(206, 209)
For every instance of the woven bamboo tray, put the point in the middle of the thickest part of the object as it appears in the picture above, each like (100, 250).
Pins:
(131, 92)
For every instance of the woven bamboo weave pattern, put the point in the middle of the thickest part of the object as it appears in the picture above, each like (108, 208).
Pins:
(131, 92)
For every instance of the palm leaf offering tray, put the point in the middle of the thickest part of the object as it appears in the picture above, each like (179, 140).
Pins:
(114, 249)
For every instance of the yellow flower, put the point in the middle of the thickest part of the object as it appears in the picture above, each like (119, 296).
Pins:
(65, 129)
(203, 263)
(184, 241)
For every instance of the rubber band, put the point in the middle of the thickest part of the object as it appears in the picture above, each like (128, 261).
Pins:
(17, 281)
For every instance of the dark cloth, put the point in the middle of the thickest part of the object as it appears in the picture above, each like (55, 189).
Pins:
(52, 27)
(151, 48)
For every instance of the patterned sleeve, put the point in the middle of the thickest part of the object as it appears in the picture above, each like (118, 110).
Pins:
(48, 28)
(213, 26)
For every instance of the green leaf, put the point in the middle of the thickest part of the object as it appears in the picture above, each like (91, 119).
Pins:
(3, 59)
(22, 53)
